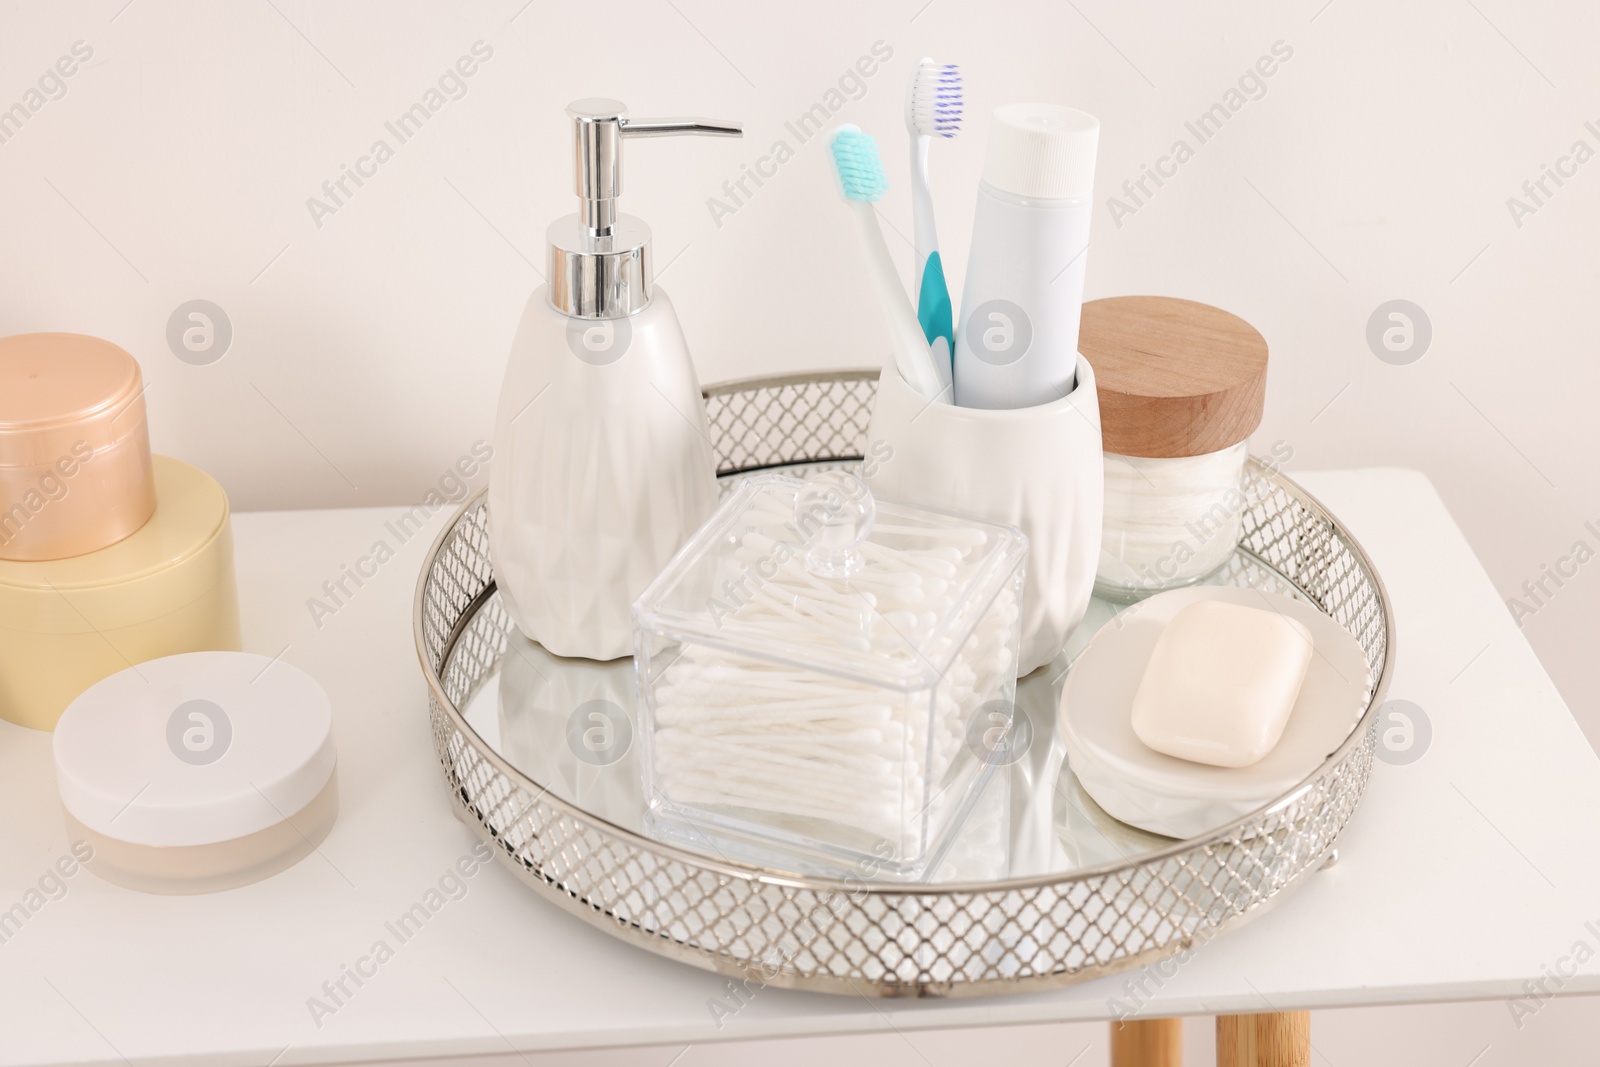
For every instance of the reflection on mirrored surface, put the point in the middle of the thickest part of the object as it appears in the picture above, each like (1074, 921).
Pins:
(570, 726)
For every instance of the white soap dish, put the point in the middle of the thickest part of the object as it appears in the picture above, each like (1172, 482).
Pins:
(1175, 797)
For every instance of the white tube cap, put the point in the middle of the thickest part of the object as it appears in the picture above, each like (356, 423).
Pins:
(1042, 150)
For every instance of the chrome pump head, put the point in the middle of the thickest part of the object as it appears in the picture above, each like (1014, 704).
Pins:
(599, 259)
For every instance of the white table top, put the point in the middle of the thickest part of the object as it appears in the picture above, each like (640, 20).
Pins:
(1464, 874)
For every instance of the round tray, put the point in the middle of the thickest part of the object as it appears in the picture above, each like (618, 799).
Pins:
(874, 937)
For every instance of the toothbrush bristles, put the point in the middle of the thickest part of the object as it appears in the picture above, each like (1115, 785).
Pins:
(936, 100)
(855, 158)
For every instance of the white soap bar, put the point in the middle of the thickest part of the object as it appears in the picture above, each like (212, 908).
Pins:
(1221, 683)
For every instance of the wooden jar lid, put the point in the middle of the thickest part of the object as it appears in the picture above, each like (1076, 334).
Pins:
(1175, 378)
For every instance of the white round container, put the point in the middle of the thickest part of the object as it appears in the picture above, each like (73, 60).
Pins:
(198, 772)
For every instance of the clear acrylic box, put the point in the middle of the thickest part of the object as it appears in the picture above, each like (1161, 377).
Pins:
(823, 676)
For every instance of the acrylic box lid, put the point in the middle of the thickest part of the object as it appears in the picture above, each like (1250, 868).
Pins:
(818, 574)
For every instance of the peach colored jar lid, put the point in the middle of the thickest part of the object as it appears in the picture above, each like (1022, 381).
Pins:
(60, 389)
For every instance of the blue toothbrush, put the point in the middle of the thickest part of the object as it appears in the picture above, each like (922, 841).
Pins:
(861, 180)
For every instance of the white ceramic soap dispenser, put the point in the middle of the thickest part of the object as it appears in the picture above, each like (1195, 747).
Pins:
(602, 459)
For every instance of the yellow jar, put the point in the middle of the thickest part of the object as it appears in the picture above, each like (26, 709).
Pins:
(167, 588)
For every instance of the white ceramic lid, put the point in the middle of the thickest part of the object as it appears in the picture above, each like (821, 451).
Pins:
(1171, 796)
(194, 749)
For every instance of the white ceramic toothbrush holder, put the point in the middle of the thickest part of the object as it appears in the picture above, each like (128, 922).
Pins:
(1038, 468)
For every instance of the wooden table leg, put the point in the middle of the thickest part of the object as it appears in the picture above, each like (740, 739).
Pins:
(1275, 1039)
(1147, 1043)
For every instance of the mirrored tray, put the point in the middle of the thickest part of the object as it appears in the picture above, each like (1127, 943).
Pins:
(1040, 887)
